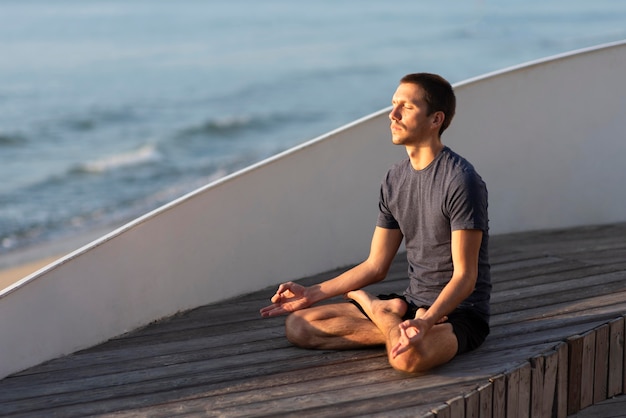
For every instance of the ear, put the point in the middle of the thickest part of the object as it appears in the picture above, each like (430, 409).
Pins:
(438, 118)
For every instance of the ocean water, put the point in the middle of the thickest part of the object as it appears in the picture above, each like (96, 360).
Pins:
(111, 108)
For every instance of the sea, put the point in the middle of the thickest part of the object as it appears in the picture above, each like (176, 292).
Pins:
(112, 108)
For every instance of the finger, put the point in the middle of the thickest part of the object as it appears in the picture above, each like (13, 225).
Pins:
(398, 349)
(278, 296)
(272, 313)
(272, 310)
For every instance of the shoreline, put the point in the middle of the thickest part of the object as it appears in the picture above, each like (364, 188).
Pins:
(11, 275)
(18, 264)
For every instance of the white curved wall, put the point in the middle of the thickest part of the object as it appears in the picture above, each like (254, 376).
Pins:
(548, 139)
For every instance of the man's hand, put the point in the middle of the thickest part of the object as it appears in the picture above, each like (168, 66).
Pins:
(288, 298)
(412, 332)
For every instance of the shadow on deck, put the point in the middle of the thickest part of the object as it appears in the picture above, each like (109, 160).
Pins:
(556, 347)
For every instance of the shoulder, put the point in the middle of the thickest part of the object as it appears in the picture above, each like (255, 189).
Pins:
(460, 174)
(456, 162)
(458, 168)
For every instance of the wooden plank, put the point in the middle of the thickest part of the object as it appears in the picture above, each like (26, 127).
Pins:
(499, 395)
(582, 303)
(524, 391)
(616, 357)
(512, 393)
(472, 405)
(485, 393)
(587, 370)
(575, 344)
(610, 408)
(442, 411)
(578, 289)
(562, 378)
(549, 395)
(457, 407)
(536, 386)
(505, 338)
(624, 361)
(601, 364)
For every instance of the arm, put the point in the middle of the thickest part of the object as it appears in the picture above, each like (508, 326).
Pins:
(291, 296)
(465, 250)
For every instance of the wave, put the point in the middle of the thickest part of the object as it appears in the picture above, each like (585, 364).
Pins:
(143, 155)
(96, 117)
(12, 139)
(232, 125)
(222, 125)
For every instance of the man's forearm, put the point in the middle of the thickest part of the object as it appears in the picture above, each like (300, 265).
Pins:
(356, 278)
(456, 291)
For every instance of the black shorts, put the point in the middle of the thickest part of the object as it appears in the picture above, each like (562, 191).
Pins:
(470, 329)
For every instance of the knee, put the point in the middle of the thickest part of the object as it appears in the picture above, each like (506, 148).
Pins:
(409, 362)
(298, 330)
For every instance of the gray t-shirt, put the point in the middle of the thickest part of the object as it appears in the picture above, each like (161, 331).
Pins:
(427, 205)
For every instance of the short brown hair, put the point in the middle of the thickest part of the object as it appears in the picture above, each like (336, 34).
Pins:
(438, 95)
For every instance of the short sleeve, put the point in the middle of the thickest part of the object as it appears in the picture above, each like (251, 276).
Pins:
(467, 202)
(385, 217)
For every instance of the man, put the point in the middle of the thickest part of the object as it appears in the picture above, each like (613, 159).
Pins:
(436, 202)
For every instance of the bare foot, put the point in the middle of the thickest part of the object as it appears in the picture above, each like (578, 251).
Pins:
(374, 307)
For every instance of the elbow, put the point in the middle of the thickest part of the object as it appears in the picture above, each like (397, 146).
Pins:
(377, 272)
(466, 283)
(470, 280)
(379, 275)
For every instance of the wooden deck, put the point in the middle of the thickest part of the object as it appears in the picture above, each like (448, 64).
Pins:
(556, 347)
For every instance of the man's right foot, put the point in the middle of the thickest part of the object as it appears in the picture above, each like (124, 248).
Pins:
(374, 307)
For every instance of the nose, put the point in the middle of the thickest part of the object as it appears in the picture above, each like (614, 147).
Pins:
(394, 114)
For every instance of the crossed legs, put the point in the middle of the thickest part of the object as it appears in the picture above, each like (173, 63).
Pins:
(343, 326)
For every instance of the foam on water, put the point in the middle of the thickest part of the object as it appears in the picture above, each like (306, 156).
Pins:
(145, 154)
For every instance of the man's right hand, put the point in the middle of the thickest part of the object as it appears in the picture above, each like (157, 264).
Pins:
(288, 298)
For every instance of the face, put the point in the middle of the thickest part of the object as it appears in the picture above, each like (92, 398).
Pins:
(410, 122)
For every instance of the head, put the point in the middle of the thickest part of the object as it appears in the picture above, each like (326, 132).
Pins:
(438, 95)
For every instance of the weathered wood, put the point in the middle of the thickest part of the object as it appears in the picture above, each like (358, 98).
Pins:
(587, 369)
(549, 385)
(224, 360)
(472, 404)
(512, 393)
(601, 364)
(524, 391)
(537, 375)
(616, 357)
(485, 394)
(562, 377)
(457, 407)
(575, 344)
(624, 359)
(442, 411)
(610, 408)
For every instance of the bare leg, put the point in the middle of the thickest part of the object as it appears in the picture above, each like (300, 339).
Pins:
(335, 326)
(385, 314)
(438, 346)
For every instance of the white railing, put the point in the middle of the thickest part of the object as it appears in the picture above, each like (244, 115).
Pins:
(548, 138)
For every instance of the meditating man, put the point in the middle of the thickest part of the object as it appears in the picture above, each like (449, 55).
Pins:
(437, 203)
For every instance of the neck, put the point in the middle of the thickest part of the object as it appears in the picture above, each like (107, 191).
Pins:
(422, 155)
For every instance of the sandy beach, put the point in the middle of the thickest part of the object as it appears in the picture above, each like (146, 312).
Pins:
(16, 265)
(10, 275)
